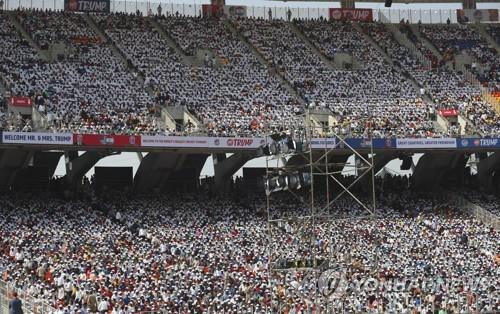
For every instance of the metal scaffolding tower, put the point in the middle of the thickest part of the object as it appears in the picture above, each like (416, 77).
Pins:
(297, 256)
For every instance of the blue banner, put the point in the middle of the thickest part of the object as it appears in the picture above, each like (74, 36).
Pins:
(356, 143)
(363, 143)
(478, 143)
(384, 143)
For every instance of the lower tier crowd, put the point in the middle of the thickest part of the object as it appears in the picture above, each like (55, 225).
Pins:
(203, 255)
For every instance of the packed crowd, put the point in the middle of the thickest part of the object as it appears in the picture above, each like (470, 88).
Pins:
(231, 93)
(494, 31)
(215, 74)
(192, 255)
(489, 202)
(354, 96)
(87, 90)
(453, 90)
(462, 39)
(13, 51)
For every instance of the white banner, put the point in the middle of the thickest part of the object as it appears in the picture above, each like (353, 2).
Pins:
(202, 142)
(37, 138)
(238, 142)
(174, 141)
(220, 142)
(318, 143)
(426, 143)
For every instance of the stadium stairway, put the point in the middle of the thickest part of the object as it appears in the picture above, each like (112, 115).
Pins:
(181, 117)
(165, 122)
(428, 44)
(374, 44)
(187, 60)
(285, 83)
(42, 53)
(296, 30)
(116, 51)
(403, 40)
(480, 29)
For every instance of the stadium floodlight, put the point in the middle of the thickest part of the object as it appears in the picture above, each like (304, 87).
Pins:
(283, 182)
(282, 146)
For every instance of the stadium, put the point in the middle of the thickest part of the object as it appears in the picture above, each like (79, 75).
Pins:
(353, 156)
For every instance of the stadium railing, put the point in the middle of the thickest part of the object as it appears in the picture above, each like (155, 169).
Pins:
(31, 305)
(426, 16)
(478, 212)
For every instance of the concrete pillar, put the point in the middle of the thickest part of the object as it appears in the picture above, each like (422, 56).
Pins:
(454, 176)
(486, 170)
(154, 168)
(469, 4)
(224, 168)
(78, 166)
(347, 4)
(28, 158)
(380, 160)
(10, 161)
(48, 160)
(163, 171)
(432, 167)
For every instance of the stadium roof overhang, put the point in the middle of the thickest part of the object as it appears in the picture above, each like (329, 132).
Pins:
(337, 151)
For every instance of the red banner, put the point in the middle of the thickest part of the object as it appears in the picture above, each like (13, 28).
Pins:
(106, 140)
(212, 10)
(358, 15)
(448, 112)
(20, 101)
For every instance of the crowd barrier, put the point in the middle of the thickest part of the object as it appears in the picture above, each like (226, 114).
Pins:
(478, 212)
(426, 16)
(30, 305)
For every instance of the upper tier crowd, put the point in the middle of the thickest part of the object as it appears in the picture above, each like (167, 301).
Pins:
(240, 77)
(192, 255)
(87, 91)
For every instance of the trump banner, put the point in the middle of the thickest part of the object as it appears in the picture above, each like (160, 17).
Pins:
(479, 143)
(99, 6)
(357, 15)
(202, 142)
